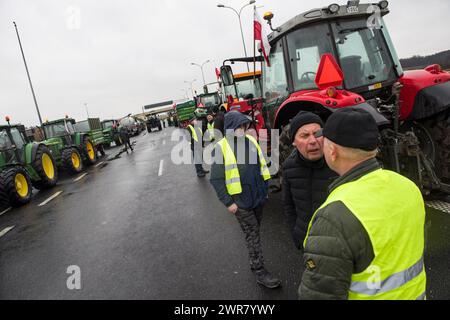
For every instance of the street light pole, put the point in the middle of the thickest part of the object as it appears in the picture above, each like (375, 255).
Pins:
(190, 83)
(201, 68)
(87, 110)
(240, 23)
(28, 74)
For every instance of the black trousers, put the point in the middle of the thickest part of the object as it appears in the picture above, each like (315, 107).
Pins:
(250, 222)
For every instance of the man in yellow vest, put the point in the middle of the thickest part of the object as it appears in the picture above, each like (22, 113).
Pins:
(366, 241)
(239, 175)
(210, 127)
(195, 130)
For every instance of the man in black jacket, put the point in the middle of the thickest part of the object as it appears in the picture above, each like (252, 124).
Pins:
(243, 191)
(306, 176)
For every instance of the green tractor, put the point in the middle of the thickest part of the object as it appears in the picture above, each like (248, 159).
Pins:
(111, 132)
(23, 165)
(68, 146)
(93, 128)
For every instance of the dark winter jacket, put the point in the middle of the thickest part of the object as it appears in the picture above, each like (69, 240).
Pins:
(305, 188)
(338, 246)
(254, 188)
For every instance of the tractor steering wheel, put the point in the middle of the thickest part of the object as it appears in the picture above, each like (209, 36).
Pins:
(306, 76)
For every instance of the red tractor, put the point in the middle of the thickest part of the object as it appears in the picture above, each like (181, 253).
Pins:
(341, 56)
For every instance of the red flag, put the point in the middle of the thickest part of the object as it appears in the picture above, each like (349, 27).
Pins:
(261, 36)
(218, 74)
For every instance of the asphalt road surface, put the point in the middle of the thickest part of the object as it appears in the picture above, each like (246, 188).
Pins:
(140, 227)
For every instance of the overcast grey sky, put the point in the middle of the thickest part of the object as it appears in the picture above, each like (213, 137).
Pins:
(121, 55)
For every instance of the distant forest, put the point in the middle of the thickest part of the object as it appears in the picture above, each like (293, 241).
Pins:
(442, 58)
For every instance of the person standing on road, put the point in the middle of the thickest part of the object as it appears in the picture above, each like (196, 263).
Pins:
(196, 134)
(239, 175)
(210, 127)
(306, 176)
(125, 137)
(367, 240)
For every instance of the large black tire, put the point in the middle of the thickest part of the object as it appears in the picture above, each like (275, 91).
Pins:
(89, 152)
(45, 166)
(286, 146)
(69, 162)
(15, 186)
(439, 128)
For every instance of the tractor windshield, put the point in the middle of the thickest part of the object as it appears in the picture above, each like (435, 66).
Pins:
(247, 87)
(210, 100)
(82, 126)
(5, 141)
(306, 47)
(58, 129)
(363, 54)
(107, 124)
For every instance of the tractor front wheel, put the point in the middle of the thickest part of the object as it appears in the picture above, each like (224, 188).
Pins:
(89, 151)
(71, 160)
(45, 166)
(15, 186)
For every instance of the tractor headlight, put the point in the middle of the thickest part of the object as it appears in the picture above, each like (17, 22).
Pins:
(333, 8)
(383, 4)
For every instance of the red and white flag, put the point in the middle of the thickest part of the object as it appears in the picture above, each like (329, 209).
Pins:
(261, 36)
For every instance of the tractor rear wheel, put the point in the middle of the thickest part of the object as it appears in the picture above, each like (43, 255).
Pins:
(89, 151)
(439, 128)
(45, 166)
(15, 186)
(71, 160)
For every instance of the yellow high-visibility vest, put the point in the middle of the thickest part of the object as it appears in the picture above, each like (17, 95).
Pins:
(232, 177)
(194, 133)
(391, 209)
(211, 130)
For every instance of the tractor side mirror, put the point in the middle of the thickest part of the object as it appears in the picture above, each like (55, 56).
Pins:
(226, 73)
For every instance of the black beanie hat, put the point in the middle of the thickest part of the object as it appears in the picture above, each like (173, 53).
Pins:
(301, 119)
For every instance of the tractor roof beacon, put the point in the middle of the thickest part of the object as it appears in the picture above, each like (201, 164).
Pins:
(341, 56)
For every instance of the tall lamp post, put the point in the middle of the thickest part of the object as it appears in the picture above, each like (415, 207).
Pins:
(28, 74)
(201, 68)
(238, 13)
(190, 83)
(87, 110)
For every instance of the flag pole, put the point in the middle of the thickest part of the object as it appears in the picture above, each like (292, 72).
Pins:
(254, 69)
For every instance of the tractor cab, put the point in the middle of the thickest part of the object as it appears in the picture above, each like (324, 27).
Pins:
(12, 142)
(210, 101)
(243, 91)
(62, 129)
(355, 35)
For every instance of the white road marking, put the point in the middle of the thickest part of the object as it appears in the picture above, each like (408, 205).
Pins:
(99, 164)
(6, 230)
(5, 211)
(80, 177)
(160, 168)
(50, 199)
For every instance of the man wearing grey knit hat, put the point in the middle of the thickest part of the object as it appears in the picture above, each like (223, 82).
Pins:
(306, 176)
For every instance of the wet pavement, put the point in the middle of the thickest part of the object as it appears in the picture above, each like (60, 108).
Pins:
(140, 227)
